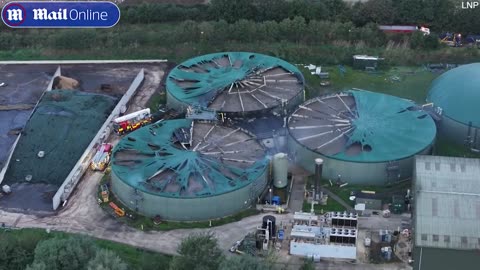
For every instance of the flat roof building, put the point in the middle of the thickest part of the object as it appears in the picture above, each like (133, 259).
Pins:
(446, 213)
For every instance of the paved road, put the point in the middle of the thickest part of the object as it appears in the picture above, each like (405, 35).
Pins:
(83, 215)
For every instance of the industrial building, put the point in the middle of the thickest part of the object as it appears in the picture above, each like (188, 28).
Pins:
(333, 235)
(188, 170)
(237, 84)
(446, 214)
(363, 137)
(456, 95)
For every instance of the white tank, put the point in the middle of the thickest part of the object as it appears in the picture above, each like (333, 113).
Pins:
(280, 170)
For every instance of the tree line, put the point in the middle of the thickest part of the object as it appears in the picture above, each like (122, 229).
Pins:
(72, 253)
(440, 15)
(215, 33)
(199, 251)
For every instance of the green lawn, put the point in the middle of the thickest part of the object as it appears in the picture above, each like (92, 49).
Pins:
(346, 191)
(445, 148)
(155, 100)
(332, 205)
(135, 257)
(413, 82)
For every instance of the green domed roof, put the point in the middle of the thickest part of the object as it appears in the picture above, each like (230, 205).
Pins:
(457, 92)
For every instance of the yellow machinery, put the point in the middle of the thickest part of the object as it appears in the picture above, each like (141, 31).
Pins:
(118, 211)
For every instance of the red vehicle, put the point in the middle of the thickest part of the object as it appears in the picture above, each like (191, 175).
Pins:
(404, 29)
(132, 121)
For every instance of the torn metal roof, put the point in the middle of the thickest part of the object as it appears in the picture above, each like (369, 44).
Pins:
(235, 82)
(447, 202)
(218, 159)
(362, 126)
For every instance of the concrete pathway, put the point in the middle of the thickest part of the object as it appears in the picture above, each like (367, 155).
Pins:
(297, 195)
(332, 195)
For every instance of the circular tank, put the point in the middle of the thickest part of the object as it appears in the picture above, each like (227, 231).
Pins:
(457, 93)
(188, 171)
(362, 137)
(235, 83)
(280, 170)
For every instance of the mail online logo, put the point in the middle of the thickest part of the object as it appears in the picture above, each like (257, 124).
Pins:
(22, 14)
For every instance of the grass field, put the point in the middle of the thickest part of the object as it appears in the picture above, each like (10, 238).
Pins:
(137, 259)
(332, 205)
(385, 192)
(406, 82)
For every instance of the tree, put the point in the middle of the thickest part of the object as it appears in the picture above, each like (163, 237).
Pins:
(232, 11)
(37, 266)
(378, 11)
(245, 262)
(198, 252)
(12, 255)
(307, 265)
(106, 260)
(64, 253)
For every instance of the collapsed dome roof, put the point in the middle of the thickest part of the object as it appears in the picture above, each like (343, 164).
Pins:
(457, 92)
(235, 81)
(183, 158)
(362, 126)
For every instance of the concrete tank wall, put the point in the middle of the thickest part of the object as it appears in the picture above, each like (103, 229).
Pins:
(174, 103)
(458, 132)
(351, 172)
(190, 209)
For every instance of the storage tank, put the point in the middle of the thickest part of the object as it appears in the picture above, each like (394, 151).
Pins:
(186, 170)
(272, 227)
(362, 137)
(280, 170)
(237, 84)
(457, 93)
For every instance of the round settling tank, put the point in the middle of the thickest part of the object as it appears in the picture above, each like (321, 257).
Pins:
(188, 171)
(362, 137)
(280, 170)
(457, 93)
(235, 83)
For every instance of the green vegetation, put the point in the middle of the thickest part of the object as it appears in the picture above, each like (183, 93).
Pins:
(201, 251)
(295, 39)
(407, 82)
(155, 100)
(58, 250)
(445, 148)
(198, 251)
(332, 205)
(385, 192)
(441, 15)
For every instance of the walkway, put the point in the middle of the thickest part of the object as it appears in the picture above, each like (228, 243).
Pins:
(332, 195)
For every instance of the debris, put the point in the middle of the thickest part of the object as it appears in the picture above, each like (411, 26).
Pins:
(65, 83)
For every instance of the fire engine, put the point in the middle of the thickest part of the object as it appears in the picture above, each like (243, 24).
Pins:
(132, 121)
(404, 29)
(102, 157)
